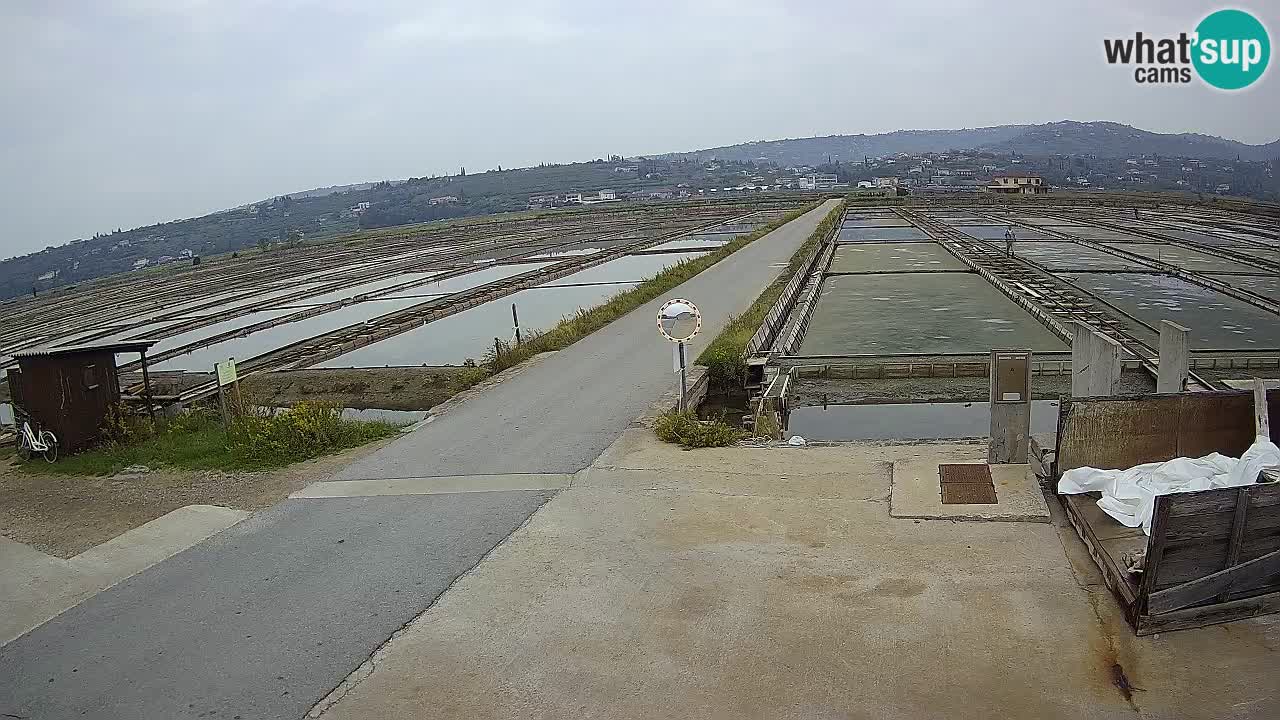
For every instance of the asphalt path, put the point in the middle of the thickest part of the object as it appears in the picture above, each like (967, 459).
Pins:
(558, 416)
(264, 619)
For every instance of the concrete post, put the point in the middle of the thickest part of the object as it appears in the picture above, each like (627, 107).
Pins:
(1095, 363)
(1010, 407)
(1174, 358)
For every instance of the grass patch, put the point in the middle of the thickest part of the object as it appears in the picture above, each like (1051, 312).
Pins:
(723, 357)
(686, 430)
(575, 327)
(198, 441)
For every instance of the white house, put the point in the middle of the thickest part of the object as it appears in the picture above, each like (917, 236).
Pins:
(1018, 183)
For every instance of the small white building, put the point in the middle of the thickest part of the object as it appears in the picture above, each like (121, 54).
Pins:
(1018, 183)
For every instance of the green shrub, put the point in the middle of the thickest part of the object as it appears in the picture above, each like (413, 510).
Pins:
(686, 430)
(301, 432)
(120, 426)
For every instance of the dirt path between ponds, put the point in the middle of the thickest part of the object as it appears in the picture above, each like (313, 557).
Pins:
(392, 388)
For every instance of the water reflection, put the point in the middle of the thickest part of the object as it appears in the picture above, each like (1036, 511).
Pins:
(908, 421)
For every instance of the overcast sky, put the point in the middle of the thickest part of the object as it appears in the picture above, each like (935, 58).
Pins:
(119, 114)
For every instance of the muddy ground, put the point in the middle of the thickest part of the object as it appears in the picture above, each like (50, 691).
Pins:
(64, 515)
(814, 391)
(395, 388)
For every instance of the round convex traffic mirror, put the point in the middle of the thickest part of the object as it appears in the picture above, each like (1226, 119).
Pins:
(679, 320)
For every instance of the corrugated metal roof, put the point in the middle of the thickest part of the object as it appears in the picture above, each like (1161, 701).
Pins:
(54, 350)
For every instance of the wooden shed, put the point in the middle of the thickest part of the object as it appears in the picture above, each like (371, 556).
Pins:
(69, 389)
(1213, 556)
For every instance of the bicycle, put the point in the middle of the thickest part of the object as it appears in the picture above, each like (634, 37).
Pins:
(31, 442)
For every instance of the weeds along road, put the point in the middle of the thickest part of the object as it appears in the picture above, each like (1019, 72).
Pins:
(264, 619)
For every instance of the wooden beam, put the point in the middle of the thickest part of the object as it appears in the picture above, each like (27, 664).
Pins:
(1261, 421)
(1155, 551)
(1208, 614)
(146, 388)
(1237, 533)
(1221, 582)
(1174, 357)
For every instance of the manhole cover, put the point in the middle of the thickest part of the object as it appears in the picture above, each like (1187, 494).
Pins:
(968, 494)
(967, 485)
(976, 473)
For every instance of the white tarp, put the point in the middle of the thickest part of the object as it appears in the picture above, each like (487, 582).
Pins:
(1129, 496)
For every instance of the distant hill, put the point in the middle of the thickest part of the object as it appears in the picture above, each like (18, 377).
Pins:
(1104, 139)
(338, 209)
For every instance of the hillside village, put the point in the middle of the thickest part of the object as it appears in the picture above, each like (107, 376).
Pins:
(288, 220)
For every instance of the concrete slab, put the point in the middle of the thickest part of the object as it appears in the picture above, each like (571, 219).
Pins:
(433, 485)
(772, 582)
(916, 493)
(35, 587)
(924, 313)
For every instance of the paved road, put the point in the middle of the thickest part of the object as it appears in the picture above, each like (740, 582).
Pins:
(559, 416)
(264, 619)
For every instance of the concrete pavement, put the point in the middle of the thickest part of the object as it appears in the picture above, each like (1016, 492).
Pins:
(774, 583)
(264, 619)
(35, 587)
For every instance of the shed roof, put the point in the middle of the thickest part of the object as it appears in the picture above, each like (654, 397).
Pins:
(54, 351)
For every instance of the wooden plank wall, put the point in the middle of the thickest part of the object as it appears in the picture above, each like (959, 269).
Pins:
(57, 393)
(1120, 432)
(1206, 532)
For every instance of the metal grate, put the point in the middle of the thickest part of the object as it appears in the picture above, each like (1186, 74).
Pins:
(966, 485)
(968, 494)
(975, 473)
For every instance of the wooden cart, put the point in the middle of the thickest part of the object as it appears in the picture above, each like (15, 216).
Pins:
(1213, 556)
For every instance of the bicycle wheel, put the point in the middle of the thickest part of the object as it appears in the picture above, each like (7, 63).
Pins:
(24, 451)
(50, 441)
